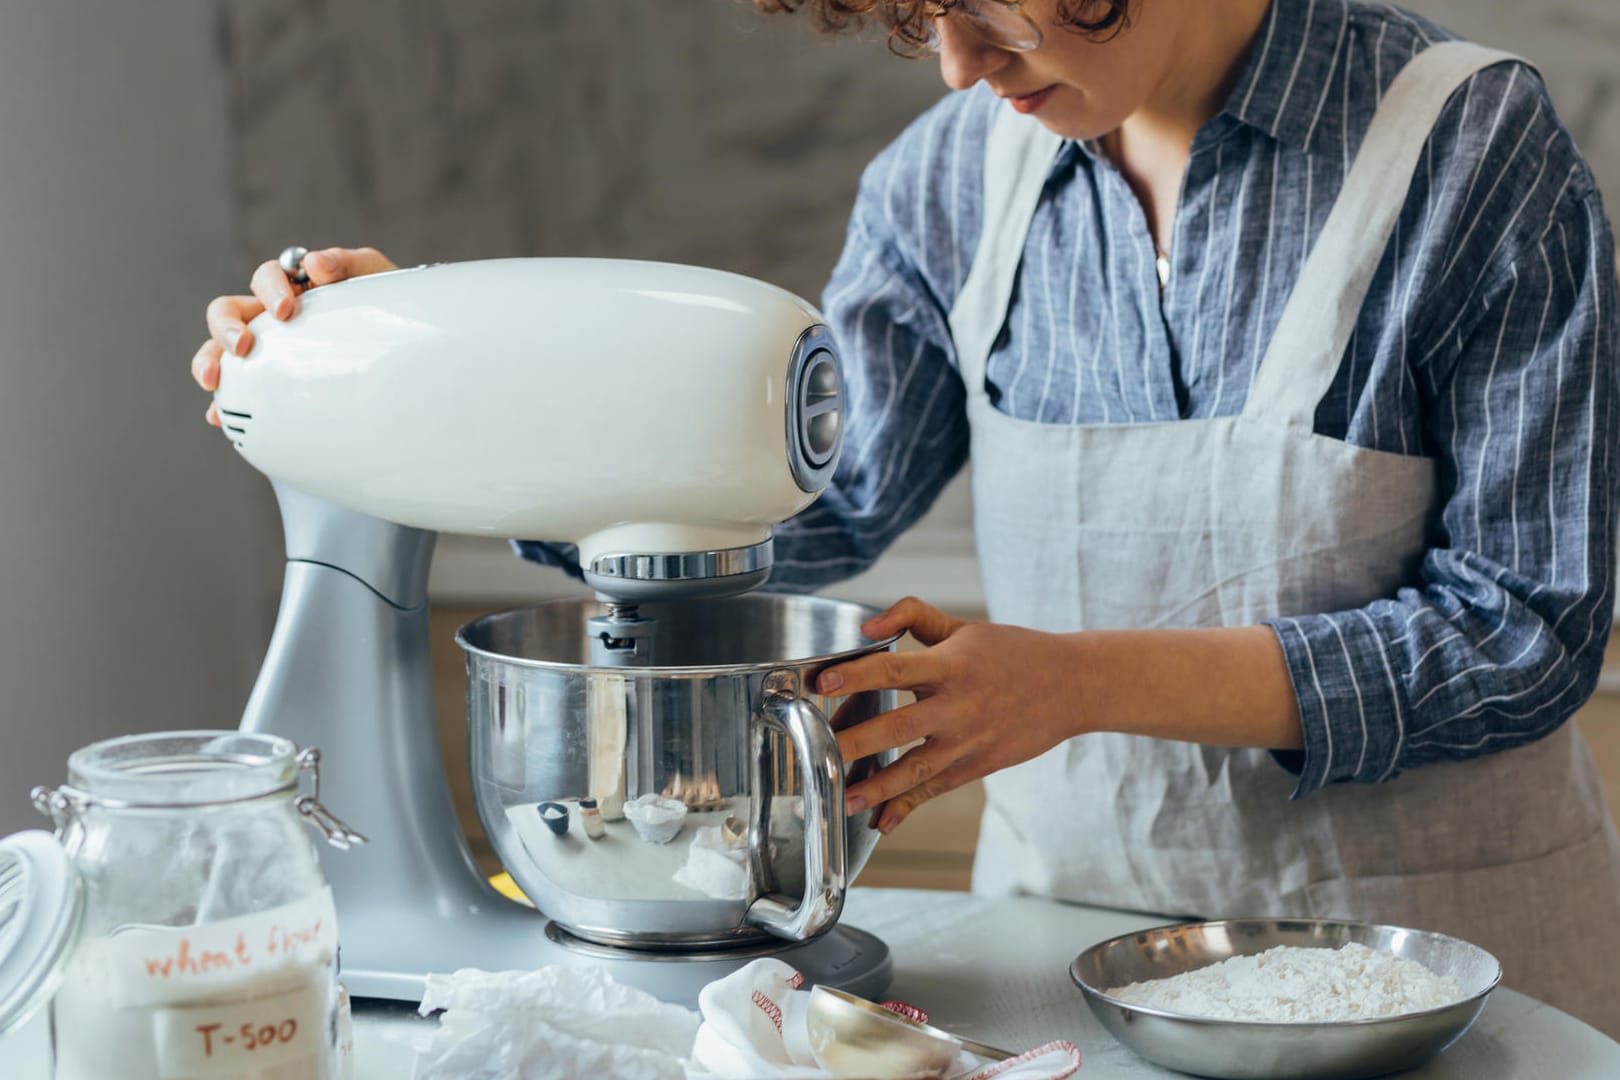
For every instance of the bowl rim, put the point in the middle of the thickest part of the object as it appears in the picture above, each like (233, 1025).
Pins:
(463, 639)
(1473, 1000)
(897, 1021)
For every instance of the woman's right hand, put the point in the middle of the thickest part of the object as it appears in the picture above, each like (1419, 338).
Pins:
(272, 291)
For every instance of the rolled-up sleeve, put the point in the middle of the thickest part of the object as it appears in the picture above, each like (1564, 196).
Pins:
(1503, 639)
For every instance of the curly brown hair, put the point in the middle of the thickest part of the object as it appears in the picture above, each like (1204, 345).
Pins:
(908, 21)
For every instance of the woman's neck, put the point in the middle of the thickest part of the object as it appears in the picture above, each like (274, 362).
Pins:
(1209, 49)
(1151, 147)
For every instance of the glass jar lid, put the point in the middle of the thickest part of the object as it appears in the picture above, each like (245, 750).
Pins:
(41, 907)
(169, 769)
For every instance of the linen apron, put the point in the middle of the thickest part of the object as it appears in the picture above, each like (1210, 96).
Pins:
(1228, 521)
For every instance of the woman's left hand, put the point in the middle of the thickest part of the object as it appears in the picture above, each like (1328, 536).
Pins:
(988, 696)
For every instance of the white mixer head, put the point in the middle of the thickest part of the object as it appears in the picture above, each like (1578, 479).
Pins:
(662, 417)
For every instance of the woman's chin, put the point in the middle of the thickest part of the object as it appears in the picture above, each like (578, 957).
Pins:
(1077, 132)
(1077, 123)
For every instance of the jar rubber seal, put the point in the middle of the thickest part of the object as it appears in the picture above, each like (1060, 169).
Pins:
(41, 908)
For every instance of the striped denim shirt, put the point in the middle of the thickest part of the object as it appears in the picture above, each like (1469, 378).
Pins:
(1488, 341)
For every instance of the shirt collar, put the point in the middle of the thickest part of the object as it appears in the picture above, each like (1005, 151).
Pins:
(1284, 85)
(1293, 62)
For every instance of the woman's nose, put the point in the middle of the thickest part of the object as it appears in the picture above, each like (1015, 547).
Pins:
(965, 57)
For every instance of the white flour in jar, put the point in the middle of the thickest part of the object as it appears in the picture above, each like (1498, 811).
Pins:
(1288, 984)
(275, 1027)
(249, 998)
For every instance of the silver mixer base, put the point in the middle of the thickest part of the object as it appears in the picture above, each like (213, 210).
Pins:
(846, 957)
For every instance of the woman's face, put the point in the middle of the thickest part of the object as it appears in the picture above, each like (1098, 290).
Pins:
(1076, 86)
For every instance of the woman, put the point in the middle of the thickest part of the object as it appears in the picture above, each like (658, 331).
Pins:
(1292, 481)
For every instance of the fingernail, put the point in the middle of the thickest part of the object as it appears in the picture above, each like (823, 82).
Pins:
(854, 804)
(232, 339)
(321, 261)
(830, 682)
(886, 826)
(284, 306)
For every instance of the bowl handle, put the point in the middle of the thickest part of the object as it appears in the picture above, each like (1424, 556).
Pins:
(822, 769)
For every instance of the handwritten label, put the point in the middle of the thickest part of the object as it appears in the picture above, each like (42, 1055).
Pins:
(179, 965)
(226, 1040)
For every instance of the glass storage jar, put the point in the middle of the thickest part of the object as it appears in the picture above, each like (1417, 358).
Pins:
(208, 945)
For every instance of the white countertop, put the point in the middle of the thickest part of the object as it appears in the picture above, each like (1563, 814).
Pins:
(996, 970)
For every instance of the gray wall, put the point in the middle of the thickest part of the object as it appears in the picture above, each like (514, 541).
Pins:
(137, 554)
(691, 130)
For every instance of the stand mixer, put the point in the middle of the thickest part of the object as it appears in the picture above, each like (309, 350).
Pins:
(662, 418)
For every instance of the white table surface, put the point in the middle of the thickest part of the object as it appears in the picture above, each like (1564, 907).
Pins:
(997, 970)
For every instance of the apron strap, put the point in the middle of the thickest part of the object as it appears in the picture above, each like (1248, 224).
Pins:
(1311, 338)
(1017, 158)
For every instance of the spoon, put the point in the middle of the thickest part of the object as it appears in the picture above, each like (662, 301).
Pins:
(851, 1037)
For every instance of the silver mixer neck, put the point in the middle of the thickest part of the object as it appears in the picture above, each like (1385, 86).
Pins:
(684, 575)
(622, 637)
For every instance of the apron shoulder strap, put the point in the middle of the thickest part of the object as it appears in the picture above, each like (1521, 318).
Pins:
(1017, 158)
(1305, 352)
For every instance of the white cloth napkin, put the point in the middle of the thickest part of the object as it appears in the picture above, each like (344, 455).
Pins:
(1055, 1061)
(557, 1023)
(563, 1022)
(754, 1025)
(754, 1028)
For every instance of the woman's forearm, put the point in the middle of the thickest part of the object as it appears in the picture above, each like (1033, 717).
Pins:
(1226, 686)
(989, 696)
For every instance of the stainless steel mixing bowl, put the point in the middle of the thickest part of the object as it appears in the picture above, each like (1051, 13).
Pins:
(727, 722)
(1265, 1051)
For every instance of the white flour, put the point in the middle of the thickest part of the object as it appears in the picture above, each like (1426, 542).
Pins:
(253, 997)
(99, 1038)
(1294, 985)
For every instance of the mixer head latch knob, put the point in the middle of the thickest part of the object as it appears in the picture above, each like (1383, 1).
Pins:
(621, 638)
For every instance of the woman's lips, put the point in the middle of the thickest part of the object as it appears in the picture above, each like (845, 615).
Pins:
(1028, 103)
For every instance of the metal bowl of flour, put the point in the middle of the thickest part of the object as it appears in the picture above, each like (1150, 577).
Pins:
(1255, 1050)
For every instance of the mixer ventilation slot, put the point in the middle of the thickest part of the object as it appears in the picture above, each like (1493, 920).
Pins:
(235, 424)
